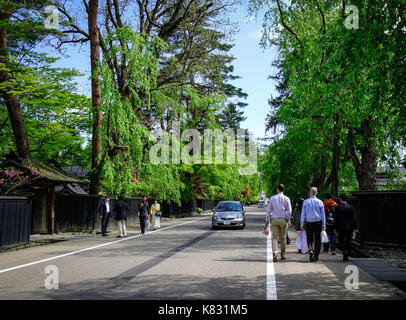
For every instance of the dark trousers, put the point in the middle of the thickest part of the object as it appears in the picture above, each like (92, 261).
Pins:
(332, 239)
(344, 240)
(105, 223)
(313, 230)
(143, 222)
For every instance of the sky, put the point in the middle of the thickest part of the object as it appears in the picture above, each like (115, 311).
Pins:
(252, 64)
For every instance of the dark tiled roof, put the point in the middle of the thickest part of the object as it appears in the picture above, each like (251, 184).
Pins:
(52, 173)
(78, 171)
(70, 188)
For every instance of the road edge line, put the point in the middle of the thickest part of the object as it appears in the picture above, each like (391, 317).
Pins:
(93, 247)
(270, 270)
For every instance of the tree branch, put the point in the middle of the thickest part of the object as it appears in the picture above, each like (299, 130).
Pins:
(287, 27)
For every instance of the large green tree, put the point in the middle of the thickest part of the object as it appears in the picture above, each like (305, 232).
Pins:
(172, 63)
(339, 95)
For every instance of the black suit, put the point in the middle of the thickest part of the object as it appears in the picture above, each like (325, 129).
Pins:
(105, 215)
(345, 222)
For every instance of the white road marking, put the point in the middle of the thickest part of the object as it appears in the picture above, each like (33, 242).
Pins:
(270, 271)
(94, 247)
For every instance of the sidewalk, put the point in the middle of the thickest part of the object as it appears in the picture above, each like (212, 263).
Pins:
(298, 278)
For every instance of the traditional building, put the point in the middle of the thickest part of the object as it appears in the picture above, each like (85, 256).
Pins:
(42, 190)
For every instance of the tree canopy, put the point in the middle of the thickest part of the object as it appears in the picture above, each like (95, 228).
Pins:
(340, 109)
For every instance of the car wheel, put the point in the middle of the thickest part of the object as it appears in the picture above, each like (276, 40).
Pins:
(213, 228)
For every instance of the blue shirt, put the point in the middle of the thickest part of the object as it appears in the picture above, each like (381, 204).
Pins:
(313, 211)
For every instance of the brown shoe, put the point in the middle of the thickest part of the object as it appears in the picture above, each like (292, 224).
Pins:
(275, 257)
(283, 258)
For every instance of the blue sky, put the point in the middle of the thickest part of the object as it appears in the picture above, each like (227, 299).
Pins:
(252, 64)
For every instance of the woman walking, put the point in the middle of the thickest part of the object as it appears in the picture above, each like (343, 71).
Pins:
(301, 242)
(156, 215)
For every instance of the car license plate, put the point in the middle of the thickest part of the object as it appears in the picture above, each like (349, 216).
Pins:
(226, 222)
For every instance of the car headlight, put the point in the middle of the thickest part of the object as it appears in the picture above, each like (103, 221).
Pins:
(215, 216)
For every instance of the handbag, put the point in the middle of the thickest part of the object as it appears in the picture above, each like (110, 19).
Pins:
(266, 231)
(158, 213)
(324, 237)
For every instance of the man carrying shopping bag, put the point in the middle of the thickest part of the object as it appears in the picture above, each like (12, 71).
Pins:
(313, 214)
(280, 210)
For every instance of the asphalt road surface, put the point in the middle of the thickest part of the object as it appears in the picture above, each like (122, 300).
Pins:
(183, 260)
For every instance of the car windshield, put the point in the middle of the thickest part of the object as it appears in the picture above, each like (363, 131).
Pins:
(228, 206)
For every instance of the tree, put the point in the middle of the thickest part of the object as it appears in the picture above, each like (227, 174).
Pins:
(57, 119)
(184, 80)
(94, 37)
(7, 10)
(336, 83)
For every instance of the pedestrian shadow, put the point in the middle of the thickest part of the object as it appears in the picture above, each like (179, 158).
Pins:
(157, 287)
(326, 286)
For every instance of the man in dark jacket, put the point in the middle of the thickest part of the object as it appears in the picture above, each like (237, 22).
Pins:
(144, 211)
(105, 212)
(345, 223)
(120, 210)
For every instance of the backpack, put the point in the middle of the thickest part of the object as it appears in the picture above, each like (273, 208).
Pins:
(330, 215)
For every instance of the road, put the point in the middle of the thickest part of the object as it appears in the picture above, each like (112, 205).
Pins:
(186, 260)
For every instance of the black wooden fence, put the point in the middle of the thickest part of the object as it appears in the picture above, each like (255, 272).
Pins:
(382, 217)
(15, 220)
(81, 211)
(76, 211)
(207, 204)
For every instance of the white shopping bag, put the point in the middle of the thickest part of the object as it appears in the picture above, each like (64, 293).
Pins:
(324, 237)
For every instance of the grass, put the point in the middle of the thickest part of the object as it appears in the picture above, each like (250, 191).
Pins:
(77, 228)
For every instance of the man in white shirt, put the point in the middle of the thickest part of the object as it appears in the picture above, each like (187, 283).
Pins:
(279, 208)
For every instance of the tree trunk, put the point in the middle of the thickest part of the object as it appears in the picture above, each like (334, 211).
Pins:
(365, 169)
(95, 176)
(11, 101)
(336, 160)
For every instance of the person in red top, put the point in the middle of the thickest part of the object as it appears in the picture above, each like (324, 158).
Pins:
(329, 208)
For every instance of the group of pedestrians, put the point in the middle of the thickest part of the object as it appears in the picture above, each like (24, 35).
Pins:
(310, 217)
(148, 215)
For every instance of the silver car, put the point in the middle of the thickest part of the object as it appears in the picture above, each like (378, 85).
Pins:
(228, 214)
